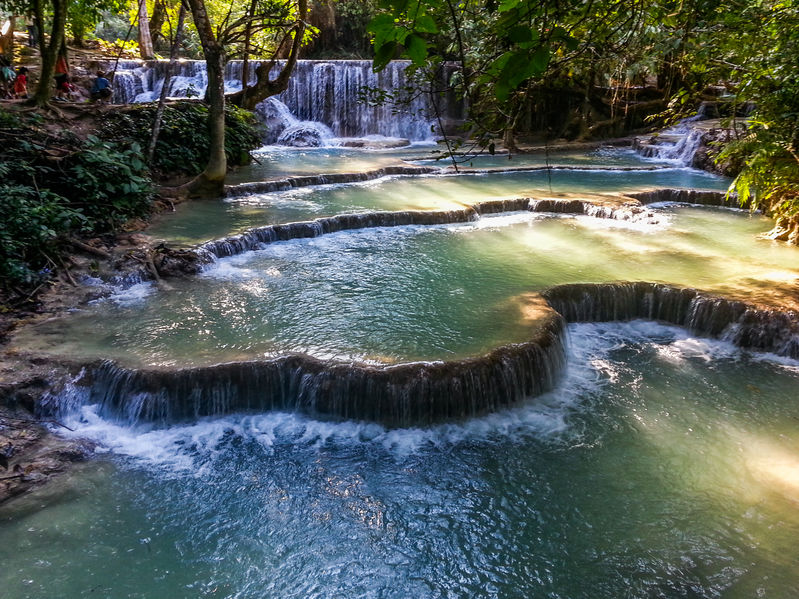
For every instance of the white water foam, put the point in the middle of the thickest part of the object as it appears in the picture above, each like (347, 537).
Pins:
(191, 448)
(132, 295)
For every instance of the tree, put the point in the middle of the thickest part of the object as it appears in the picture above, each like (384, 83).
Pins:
(211, 181)
(507, 50)
(145, 41)
(83, 15)
(237, 26)
(49, 49)
(285, 24)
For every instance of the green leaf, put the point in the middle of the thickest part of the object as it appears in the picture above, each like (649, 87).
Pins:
(520, 34)
(507, 5)
(416, 49)
(425, 24)
(381, 23)
(383, 55)
(540, 59)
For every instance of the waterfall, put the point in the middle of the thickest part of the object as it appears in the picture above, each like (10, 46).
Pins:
(744, 325)
(327, 92)
(411, 394)
(678, 144)
(704, 197)
(258, 237)
(416, 393)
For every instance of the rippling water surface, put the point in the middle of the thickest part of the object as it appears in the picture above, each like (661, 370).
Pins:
(411, 293)
(212, 219)
(663, 466)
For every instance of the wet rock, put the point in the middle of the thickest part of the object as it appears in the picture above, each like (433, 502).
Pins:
(305, 135)
(31, 455)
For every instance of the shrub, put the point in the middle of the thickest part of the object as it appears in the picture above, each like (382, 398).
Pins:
(183, 143)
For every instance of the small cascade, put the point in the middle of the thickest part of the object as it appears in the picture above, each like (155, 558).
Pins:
(255, 238)
(735, 321)
(703, 197)
(137, 81)
(257, 187)
(258, 237)
(330, 93)
(242, 189)
(416, 393)
(678, 144)
(628, 211)
(283, 128)
(411, 394)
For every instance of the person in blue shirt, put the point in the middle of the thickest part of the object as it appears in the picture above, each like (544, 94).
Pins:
(101, 89)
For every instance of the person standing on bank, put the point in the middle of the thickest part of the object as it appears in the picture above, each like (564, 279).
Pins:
(33, 31)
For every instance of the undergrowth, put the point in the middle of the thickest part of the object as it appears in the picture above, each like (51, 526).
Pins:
(54, 186)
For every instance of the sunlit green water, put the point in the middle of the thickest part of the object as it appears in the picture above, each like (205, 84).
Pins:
(201, 221)
(408, 293)
(664, 466)
(277, 162)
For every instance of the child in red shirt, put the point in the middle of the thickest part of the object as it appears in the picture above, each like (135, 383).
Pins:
(21, 83)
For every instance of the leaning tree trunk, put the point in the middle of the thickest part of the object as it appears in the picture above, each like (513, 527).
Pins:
(264, 87)
(245, 62)
(49, 51)
(211, 181)
(173, 57)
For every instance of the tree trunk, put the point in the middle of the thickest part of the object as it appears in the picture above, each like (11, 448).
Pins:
(265, 87)
(49, 51)
(212, 180)
(145, 41)
(7, 41)
(157, 21)
(245, 63)
(173, 56)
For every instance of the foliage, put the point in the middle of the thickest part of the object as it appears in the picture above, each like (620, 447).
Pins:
(182, 146)
(764, 58)
(83, 15)
(53, 186)
(509, 50)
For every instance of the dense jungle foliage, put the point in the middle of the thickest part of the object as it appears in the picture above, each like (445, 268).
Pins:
(55, 186)
(182, 146)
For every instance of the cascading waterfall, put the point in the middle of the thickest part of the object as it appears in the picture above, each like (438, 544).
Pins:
(703, 197)
(735, 321)
(417, 393)
(255, 238)
(411, 394)
(678, 144)
(326, 92)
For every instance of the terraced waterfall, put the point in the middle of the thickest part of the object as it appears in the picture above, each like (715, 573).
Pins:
(384, 378)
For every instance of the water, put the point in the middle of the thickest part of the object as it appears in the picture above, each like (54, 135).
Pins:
(211, 220)
(663, 466)
(410, 293)
(278, 162)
